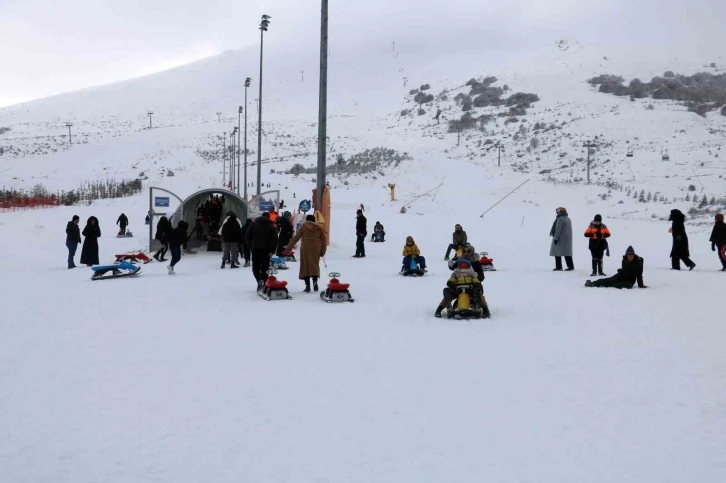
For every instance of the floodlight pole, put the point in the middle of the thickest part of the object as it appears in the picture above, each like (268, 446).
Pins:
(70, 138)
(239, 133)
(149, 114)
(263, 28)
(247, 84)
(322, 102)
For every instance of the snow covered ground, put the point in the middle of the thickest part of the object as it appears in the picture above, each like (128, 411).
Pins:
(194, 378)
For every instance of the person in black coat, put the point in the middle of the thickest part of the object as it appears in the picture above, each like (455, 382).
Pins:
(244, 245)
(628, 275)
(262, 239)
(122, 222)
(231, 231)
(284, 223)
(361, 230)
(163, 230)
(680, 242)
(73, 238)
(178, 238)
(89, 252)
(718, 240)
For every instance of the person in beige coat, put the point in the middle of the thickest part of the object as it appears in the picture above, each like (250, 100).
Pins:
(312, 248)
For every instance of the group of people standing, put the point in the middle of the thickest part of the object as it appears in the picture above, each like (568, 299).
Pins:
(91, 233)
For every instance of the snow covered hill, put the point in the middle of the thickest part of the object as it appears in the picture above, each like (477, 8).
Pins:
(194, 378)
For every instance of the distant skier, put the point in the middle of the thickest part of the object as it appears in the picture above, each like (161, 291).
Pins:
(122, 222)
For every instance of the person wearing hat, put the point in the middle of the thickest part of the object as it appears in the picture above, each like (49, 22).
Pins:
(361, 230)
(598, 234)
(561, 245)
(378, 230)
(286, 231)
(718, 240)
(628, 275)
(463, 274)
(73, 238)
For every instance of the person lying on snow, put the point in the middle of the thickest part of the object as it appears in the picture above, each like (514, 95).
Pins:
(630, 273)
(411, 251)
(464, 274)
(470, 254)
(378, 230)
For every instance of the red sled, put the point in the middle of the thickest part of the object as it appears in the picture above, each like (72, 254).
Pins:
(132, 258)
(487, 264)
(288, 255)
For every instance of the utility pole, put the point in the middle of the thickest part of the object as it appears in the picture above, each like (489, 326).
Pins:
(302, 75)
(70, 138)
(393, 45)
(247, 84)
(499, 156)
(322, 101)
(263, 28)
(589, 145)
(231, 158)
(149, 114)
(219, 117)
(458, 136)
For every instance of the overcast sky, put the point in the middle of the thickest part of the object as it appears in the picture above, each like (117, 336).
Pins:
(49, 46)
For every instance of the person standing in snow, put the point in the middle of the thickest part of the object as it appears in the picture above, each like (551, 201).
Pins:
(286, 231)
(89, 252)
(627, 276)
(231, 233)
(312, 248)
(73, 238)
(598, 234)
(177, 239)
(680, 241)
(163, 230)
(718, 240)
(122, 222)
(262, 239)
(361, 230)
(244, 244)
(561, 246)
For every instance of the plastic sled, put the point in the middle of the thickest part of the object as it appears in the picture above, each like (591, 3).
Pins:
(378, 238)
(118, 270)
(132, 258)
(487, 264)
(336, 291)
(278, 263)
(126, 234)
(288, 255)
(274, 289)
(413, 269)
(465, 307)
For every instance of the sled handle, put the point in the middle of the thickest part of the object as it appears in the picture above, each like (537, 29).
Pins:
(484, 253)
(271, 271)
(334, 274)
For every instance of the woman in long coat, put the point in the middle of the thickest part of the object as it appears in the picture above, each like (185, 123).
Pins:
(680, 242)
(92, 232)
(312, 248)
(561, 246)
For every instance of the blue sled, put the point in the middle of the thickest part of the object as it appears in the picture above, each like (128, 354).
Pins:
(117, 270)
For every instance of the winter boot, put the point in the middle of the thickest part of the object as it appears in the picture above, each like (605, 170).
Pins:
(594, 268)
(692, 267)
(315, 283)
(233, 265)
(439, 309)
(307, 285)
(156, 256)
(485, 314)
(171, 270)
(599, 269)
(588, 283)
(247, 263)
(223, 263)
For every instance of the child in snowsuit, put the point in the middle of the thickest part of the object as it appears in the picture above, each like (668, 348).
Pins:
(630, 273)
(378, 231)
(598, 234)
(718, 240)
(464, 274)
(411, 251)
(468, 252)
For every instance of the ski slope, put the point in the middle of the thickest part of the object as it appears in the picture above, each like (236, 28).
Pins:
(193, 377)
